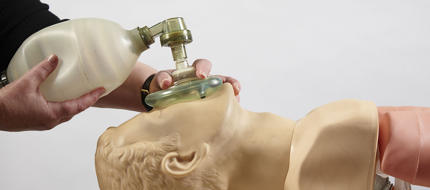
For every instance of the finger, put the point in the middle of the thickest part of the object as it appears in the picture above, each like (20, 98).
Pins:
(238, 98)
(234, 82)
(203, 68)
(41, 71)
(162, 80)
(72, 107)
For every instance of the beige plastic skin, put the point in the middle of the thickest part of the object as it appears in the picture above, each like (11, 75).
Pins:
(93, 53)
(334, 147)
(214, 144)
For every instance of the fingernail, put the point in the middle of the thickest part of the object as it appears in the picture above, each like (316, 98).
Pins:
(165, 83)
(101, 91)
(237, 87)
(202, 75)
(53, 59)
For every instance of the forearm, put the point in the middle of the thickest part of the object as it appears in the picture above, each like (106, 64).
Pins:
(404, 143)
(127, 96)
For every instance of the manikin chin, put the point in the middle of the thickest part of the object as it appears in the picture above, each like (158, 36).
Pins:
(214, 144)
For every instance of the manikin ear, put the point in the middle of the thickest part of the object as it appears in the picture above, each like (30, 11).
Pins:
(180, 166)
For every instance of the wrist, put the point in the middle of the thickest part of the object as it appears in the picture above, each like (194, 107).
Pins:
(3, 79)
(2, 111)
(145, 90)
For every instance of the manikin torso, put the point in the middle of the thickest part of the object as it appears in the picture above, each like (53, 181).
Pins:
(333, 147)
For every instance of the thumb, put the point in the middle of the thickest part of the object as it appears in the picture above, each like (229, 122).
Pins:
(162, 80)
(41, 71)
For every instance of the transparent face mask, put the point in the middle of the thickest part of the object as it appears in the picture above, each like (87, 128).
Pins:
(184, 92)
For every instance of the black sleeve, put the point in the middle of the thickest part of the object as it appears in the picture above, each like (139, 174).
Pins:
(18, 20)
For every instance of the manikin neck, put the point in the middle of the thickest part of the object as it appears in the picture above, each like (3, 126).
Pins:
(250, 151)
(259, 156)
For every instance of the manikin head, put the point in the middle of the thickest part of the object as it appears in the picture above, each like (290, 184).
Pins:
(194, 145)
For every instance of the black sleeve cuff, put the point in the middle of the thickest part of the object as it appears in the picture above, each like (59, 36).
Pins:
(20, 19)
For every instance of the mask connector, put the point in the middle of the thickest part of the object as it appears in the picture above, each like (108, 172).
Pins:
(174, 33)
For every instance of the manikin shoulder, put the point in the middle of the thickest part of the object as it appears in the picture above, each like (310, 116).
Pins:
(348, 110)
(334, 147)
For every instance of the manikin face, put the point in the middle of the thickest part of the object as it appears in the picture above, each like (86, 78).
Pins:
(195, 122)
(168, 146)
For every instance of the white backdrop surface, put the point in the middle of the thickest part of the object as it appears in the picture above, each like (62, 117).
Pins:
(290, 56)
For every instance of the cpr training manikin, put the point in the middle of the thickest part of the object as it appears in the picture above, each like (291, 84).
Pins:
(337, 146)
(224, 147)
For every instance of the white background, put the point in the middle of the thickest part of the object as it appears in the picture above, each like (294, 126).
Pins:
(290, 57)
